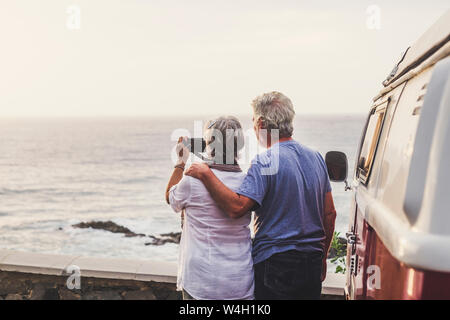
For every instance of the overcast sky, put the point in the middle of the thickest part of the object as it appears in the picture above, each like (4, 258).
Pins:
(145, 57)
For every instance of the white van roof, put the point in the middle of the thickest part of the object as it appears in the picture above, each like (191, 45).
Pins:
(431, 41)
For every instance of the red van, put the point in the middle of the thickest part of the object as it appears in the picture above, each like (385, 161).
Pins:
(399, 231)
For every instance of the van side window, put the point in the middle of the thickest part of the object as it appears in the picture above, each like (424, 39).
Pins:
(370, 143)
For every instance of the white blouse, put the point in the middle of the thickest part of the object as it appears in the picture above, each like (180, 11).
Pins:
(215, 261)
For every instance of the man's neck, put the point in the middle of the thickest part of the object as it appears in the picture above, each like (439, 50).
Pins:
(279, 140)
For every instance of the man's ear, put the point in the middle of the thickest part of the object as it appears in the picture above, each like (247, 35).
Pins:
(260, 124)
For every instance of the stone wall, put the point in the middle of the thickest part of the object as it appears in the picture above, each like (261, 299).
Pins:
(28, 286)
(34, 276)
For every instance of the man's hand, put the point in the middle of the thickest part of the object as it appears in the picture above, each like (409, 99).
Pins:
(324, 269)
(198, 170)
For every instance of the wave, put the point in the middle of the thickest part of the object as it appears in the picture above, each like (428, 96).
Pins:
(136, 160)
(6, 191)
(48, 191)
(138, 180)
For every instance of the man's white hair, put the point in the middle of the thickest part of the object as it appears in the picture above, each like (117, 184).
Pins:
(276, 111)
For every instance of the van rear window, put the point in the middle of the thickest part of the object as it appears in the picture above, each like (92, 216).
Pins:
(370, 143)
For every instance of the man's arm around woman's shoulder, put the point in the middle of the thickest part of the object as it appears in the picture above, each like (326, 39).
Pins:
(235, 205)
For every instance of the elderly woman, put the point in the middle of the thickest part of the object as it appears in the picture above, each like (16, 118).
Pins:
(215, 250)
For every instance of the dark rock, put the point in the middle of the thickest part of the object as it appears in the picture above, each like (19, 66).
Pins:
(51, 294)
(12, 285)
(174, 295)
(108, 226)
(38, 292)
(66, 294)
(175, 236)
(139, 295)
(165, 291)
(172, 237)
(160, 290)
(44, 291)
(14, 296)
(102, 295)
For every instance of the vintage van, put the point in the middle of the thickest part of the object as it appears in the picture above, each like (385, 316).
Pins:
(399, 231)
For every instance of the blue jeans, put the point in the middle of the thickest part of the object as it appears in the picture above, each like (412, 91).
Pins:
(290, 275)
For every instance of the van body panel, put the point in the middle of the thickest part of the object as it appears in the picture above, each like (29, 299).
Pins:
(395, 162)
(417, 249)
(399, 281)
(433, 214)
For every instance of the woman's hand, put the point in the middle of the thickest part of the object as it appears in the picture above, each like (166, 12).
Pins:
(177, 174)
(182, 151)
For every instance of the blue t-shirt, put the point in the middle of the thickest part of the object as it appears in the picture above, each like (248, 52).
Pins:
(289, 182)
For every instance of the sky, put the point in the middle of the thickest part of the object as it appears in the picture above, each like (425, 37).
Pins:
(176, 58)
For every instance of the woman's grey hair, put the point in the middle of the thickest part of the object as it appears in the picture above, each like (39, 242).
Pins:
(276, 111)
(224, 139)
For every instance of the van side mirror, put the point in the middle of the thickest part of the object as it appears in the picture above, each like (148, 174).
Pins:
(337, 167)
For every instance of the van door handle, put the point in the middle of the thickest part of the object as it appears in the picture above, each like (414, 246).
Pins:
(351, 237)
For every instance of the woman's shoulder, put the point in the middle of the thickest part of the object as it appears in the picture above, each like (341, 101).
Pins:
(187, 185)
(190, 181)
(228, 174)
(230, 178)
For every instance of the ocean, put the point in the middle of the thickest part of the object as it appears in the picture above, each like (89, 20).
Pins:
(56, 172)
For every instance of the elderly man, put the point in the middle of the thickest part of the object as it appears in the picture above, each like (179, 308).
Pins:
(288, 188)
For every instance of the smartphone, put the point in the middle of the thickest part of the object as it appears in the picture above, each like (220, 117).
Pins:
(195, 145)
